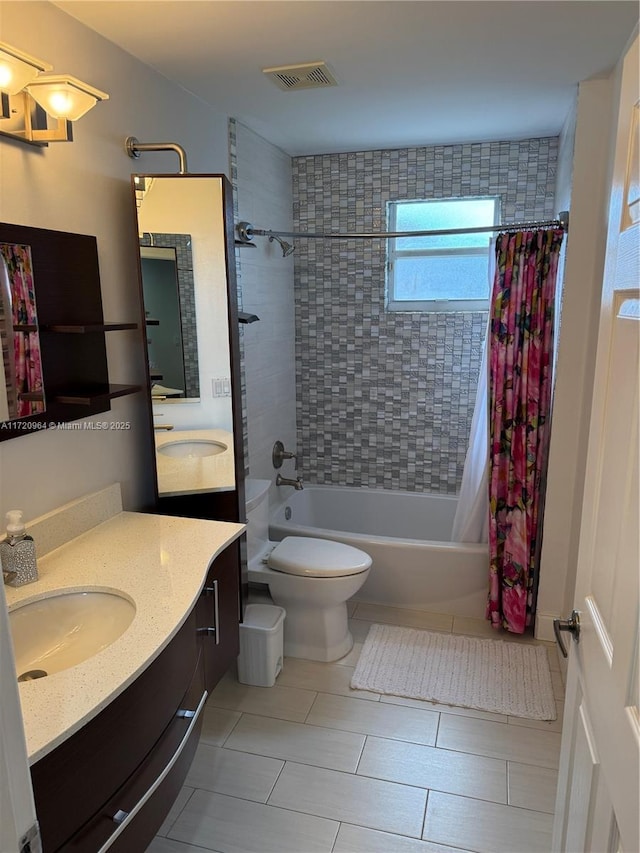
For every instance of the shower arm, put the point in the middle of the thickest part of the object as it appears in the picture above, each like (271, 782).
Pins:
(134, 148)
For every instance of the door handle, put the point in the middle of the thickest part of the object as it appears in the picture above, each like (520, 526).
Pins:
(572, 624)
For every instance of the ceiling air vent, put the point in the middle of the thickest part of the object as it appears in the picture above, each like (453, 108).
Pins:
(309, 75)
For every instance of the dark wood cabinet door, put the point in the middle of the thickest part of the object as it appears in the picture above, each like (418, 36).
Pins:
(218, 615)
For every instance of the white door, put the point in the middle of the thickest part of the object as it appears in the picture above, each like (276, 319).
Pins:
(18, 827)
(598, 792)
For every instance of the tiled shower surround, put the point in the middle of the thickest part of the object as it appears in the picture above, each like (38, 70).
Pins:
(385, 400)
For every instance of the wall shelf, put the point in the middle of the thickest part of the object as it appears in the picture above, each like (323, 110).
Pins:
(92, 395)
(33, 396)
(88, 328)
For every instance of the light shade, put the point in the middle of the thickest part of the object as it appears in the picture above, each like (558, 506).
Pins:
(18, 69)
(64, 97)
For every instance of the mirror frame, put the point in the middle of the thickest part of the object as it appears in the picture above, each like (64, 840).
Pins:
(180, 244)
(227, 505)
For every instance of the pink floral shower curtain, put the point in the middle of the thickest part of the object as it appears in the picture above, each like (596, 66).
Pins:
(27, 358)
(520, 361)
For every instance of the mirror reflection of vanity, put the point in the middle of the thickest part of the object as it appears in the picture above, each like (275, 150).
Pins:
(188, 288)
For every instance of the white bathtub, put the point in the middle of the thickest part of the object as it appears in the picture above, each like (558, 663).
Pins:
(407, 535)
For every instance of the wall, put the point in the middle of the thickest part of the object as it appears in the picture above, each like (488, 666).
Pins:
(17, 809)
(385, 400)
(585, 247)
(262, 181)
(84, 187)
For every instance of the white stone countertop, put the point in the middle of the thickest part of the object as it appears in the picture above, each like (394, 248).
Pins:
(158, 562)
(187, 474)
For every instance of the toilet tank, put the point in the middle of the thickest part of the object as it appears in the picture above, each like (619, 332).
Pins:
(257, 505)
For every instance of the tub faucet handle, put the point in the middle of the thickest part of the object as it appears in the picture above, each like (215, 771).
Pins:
(279, 454)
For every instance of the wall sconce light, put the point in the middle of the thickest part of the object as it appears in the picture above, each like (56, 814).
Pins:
(17, 69)
(28, 100)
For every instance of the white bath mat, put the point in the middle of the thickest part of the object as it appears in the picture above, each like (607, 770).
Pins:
(488, 675)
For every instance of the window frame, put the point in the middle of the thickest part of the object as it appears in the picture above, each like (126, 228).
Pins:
(431, 305)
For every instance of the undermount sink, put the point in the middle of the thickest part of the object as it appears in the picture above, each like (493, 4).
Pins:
(192, 448)
(55, 633)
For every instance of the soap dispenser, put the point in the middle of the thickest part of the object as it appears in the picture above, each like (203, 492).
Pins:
(18, 551)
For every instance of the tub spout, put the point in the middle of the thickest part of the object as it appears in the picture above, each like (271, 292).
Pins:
(283, 481)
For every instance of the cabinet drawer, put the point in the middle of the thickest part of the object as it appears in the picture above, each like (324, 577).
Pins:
(74, 781)
(131, 818)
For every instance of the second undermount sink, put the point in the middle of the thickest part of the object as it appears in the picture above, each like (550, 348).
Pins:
(192, 448)
(55, 633)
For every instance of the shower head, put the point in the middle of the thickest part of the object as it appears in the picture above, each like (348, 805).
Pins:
(287, 248)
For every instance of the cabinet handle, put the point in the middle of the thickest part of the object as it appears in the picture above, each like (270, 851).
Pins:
(123, 818)
(213, 632)
(184, 714)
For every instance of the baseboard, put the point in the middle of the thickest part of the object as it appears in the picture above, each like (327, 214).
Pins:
(544, 631)
(544, 627)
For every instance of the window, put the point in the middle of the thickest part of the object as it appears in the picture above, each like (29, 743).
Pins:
(444, 273)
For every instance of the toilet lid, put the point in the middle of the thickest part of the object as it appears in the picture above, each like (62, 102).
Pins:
(317, 558)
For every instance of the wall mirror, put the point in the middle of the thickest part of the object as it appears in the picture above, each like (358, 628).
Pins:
(52, 330)
(187, 276)
(21, 386)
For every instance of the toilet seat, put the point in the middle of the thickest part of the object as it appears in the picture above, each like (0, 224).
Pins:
(317, 558)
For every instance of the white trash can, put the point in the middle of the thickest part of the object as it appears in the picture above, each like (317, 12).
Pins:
(261, 643)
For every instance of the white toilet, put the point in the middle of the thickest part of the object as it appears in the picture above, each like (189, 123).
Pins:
(311, 578)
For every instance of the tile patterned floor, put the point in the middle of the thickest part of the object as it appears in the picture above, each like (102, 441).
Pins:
(311, 766)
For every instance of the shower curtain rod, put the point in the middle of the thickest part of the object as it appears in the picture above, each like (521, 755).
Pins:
(246, 231)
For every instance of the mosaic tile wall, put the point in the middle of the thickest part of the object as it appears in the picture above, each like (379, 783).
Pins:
(263, 195)
(187, 298)
(385, 400)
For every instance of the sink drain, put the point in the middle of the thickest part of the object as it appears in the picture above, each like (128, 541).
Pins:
(32, 674)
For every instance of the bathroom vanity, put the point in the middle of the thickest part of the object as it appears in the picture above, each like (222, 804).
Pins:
(110, 739)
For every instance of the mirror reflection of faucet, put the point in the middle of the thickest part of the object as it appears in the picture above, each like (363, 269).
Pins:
(161, 426)
(284, 481)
